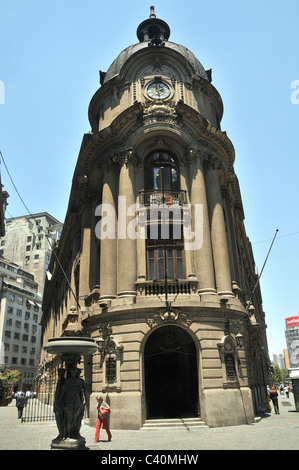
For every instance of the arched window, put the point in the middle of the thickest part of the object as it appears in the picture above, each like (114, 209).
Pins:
(161, 172)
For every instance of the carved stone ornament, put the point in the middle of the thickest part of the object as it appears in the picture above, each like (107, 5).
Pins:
(171, 314)
(162, 109)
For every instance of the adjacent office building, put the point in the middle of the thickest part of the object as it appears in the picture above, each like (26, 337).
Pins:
(28, 243)
(20, 314)
(292, 340)
(25, 252)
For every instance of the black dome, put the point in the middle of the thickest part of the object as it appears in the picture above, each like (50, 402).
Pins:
(153, 33)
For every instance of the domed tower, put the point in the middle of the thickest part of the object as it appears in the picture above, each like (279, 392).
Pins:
(155, 250)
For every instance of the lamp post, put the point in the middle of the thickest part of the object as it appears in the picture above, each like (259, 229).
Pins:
(238, 337)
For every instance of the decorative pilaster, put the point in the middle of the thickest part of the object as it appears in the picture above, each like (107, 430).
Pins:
(203, 259)
(218, 230)
(108, 256)
(126, 243)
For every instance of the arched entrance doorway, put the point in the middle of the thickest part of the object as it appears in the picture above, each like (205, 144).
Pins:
(171, 377)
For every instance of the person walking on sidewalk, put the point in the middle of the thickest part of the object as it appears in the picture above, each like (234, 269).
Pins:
(103, 412)
(274, 398)
(20, 404)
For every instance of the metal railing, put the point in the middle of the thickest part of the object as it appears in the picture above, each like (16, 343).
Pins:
(156, 198)
(178, 286)
(40, 407)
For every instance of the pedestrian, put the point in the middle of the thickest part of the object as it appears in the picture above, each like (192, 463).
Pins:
(20, 404)
(103, 412)
(274, 398)
(286, 389)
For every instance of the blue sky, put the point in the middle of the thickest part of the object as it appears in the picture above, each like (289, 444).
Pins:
(50, 56)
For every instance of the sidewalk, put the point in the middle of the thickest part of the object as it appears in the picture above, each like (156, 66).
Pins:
(273, 432)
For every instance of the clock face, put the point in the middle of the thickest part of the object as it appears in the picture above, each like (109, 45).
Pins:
(158, 90)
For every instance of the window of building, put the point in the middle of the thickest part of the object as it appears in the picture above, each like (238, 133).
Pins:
(164, 251)
(162, 258)
(161, 173)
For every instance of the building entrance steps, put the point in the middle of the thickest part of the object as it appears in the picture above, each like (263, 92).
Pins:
(177, 423)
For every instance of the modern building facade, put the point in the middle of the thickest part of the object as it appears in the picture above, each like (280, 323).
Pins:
(279, 360)
(28, 242)
(292, 340)
(20, 315)
(157, 266)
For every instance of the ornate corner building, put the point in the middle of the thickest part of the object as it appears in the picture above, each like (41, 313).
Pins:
(155, 250)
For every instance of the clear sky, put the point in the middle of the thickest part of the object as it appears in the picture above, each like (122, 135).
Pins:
(51, 52)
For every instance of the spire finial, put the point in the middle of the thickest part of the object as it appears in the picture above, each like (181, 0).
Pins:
(152, 15)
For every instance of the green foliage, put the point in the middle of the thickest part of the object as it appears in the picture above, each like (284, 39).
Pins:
(278, 374)
(11, 377)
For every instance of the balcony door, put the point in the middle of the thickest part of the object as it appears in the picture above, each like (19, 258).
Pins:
(161, 173)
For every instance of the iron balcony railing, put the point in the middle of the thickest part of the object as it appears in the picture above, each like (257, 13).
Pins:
(156, 198)
(158, 287)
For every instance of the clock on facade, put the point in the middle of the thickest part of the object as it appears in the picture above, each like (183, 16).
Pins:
(158, 90)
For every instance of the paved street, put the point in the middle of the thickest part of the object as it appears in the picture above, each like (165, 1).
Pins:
(273, 432)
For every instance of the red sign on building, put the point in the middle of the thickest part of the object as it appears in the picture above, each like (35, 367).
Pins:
(292, 321)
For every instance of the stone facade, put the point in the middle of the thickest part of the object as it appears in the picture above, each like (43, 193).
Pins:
(180, 330)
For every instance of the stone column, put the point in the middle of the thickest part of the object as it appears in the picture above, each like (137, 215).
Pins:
(108, 255)
(84, 287)
(218, 230)
(126, 246)
(141, 241)
(190, 270)
(203, 258)
(94, 275)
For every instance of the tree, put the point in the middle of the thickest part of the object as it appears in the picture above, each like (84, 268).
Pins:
(278, 374)
(8, 379)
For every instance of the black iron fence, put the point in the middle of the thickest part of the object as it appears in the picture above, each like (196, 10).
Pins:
(39, 405)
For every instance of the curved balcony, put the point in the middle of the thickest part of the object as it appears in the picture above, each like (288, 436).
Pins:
(156, 198)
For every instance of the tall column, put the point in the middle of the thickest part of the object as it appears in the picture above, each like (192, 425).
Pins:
(141, 242)
(190, 269)
(108, 255)
(84, 286)
(203, 258)
(218, 230)
(126, 246)
(94, 246)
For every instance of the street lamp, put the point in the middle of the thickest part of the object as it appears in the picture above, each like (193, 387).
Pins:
(239, 340)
